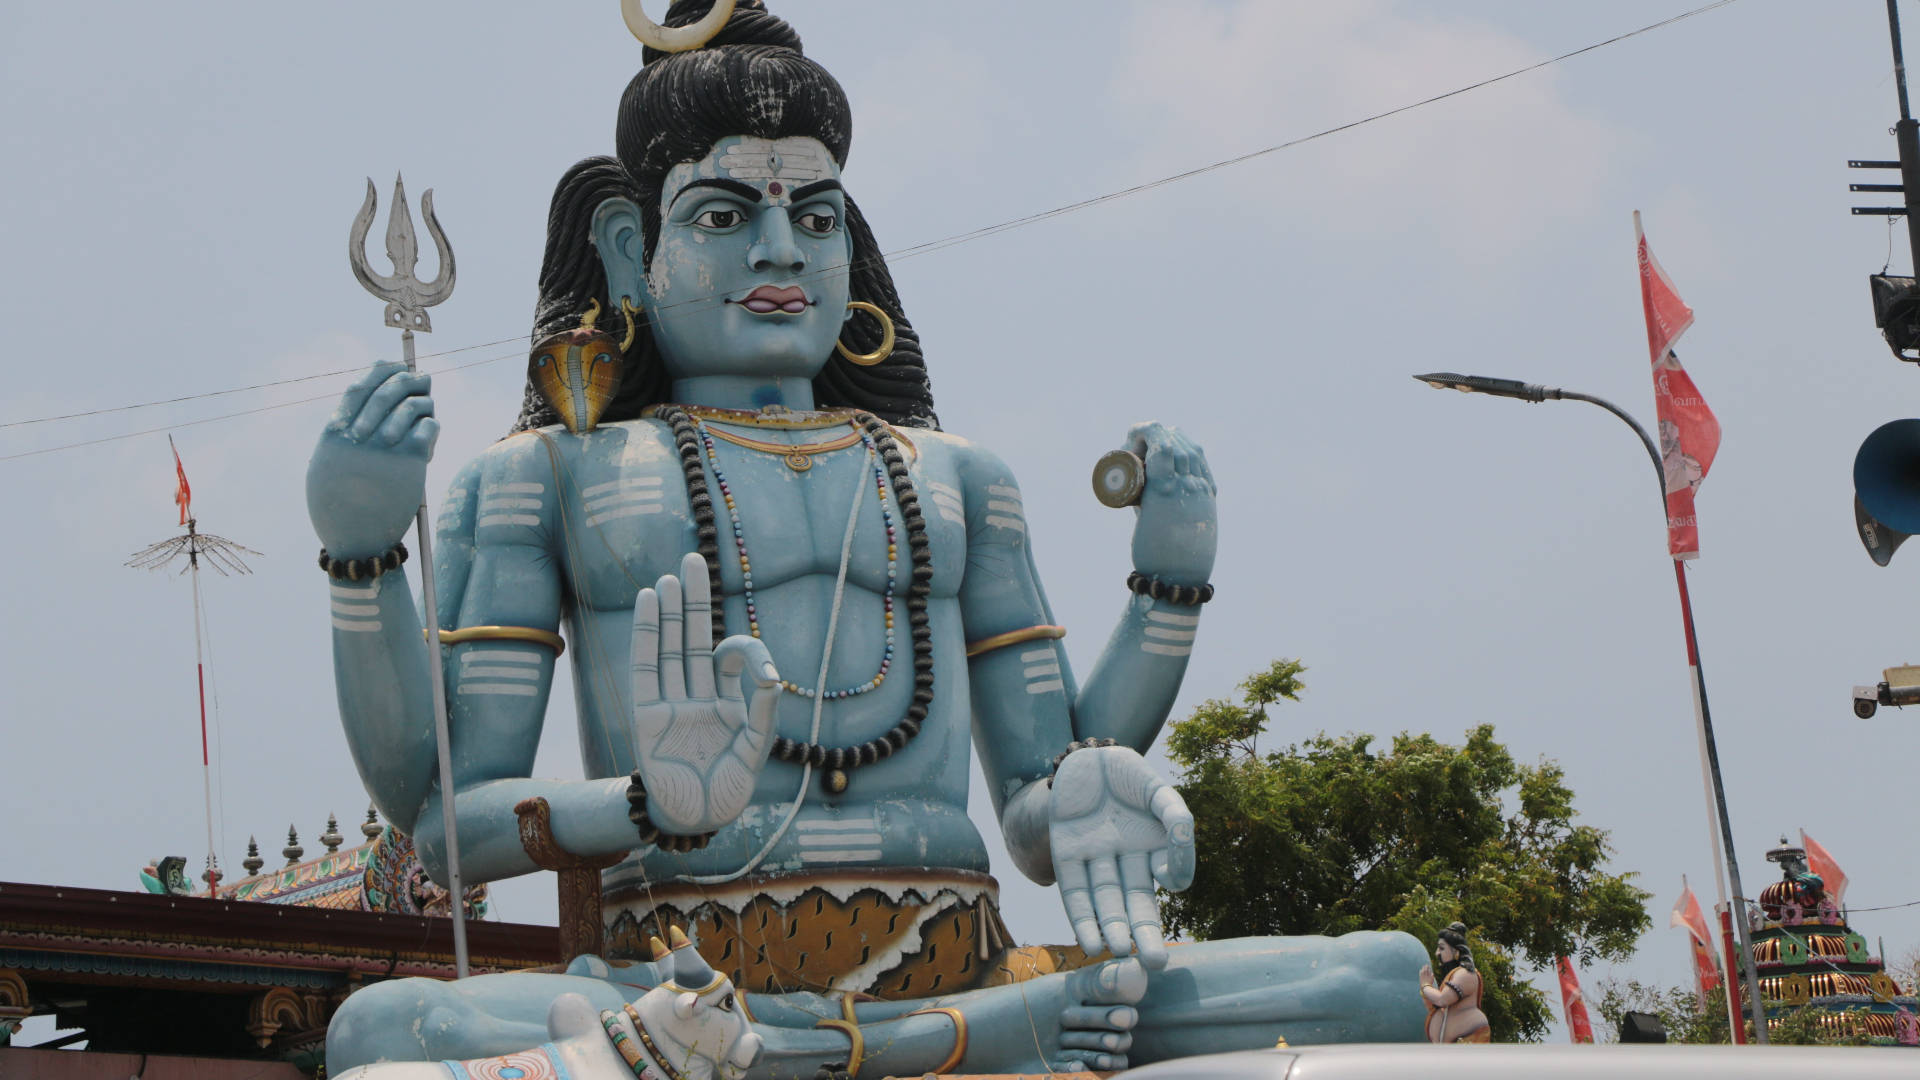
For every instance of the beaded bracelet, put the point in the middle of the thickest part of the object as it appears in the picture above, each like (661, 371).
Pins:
(1188, 595)
(1080, 744)
(366, 569)
(649, 832)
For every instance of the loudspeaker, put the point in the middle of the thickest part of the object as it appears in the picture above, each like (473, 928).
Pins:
(1886, 486)
(1639, 1027)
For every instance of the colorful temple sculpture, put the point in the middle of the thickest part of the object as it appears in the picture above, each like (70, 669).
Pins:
(384, 873)
(1808, 957)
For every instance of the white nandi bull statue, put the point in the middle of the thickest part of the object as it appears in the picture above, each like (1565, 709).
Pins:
(690, 1027)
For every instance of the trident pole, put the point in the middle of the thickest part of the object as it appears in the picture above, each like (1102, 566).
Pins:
(407, 300)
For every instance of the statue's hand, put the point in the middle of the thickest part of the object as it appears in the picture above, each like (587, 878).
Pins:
(1116, 828)
(368, 475)
(700, 743)
(1176, 530)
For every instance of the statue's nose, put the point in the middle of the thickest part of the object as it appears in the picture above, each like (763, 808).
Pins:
(747, 1052)
(773, 248)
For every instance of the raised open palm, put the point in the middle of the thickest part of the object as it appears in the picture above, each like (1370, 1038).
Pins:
(1117, 828)
(700, 743)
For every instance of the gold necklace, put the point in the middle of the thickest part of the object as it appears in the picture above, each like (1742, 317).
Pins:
(798, 456)
(782, 420)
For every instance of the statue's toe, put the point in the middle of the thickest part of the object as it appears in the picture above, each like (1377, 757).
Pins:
(1110, 1041)
(1116, 982)
(1099, 1017)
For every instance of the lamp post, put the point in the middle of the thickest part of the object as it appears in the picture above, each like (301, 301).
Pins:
(1719, 824)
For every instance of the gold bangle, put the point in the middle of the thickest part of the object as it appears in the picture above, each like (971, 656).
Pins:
(504, 633)
(959, 1037)
(859, 1049)
(1014, 637)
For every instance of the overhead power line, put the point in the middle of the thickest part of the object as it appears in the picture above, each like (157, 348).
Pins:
(899, 254)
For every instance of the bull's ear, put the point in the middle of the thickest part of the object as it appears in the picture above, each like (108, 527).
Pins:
(686, 1005)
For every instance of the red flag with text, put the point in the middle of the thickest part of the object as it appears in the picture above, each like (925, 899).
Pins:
(1706, 970)
(1579, 1027)
(1818, 861)
(182, 495)
(1689, 434)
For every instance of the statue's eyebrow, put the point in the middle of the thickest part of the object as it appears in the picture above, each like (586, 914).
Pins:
(731, 187)
(807, 191)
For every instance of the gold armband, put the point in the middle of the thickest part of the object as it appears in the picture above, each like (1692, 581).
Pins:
(959, 1037)
(1014, 637)
(504, 633)
(859, 1049)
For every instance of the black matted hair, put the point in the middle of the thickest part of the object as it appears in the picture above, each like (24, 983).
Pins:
(1456, 935)
(750, 79)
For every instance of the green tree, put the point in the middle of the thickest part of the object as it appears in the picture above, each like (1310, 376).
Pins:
(1334, 834)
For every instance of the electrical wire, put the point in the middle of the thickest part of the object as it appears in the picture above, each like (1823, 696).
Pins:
(924, 248)
(226, 416)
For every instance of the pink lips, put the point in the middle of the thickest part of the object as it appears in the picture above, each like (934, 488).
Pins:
(768, 299)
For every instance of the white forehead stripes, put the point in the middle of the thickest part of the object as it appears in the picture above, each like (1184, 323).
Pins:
(792, 161)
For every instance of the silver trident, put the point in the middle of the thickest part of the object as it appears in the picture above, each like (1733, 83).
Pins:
(408, 299)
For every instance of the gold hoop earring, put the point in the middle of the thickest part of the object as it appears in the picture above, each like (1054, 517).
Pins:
(886, 336)
(633, 322)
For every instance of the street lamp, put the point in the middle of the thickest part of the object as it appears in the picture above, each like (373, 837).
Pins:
(1720, 825)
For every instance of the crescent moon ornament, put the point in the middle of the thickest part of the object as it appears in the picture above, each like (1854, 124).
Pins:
(678, 38)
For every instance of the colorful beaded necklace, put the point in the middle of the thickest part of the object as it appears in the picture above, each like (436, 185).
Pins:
(746, 561)
(834, 761)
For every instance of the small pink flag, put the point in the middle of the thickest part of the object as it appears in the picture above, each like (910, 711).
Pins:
(1689, 433)
(1575, 1006)
(1818, 861)
(1687, 913)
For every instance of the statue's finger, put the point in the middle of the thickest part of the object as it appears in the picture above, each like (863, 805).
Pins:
(673, 625)
(397, 388)
(1077, 895)
(419, 441)
(355, 397)
(1171, 809)
(698, 602)
(1110, 903)
(1143, 911)
(738, 659)
(646, 648)
(400, 421)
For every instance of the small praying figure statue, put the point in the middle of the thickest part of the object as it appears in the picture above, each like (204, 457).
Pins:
(1453, 1000)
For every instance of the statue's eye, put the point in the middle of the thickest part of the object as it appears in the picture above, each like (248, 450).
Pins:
(719, 219)
(726, 1003)
(816, 222)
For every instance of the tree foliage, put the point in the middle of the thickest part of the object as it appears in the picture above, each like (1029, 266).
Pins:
(1336, 834)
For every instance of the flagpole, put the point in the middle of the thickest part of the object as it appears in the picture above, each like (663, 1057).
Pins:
(200, 676)
(1742, 960)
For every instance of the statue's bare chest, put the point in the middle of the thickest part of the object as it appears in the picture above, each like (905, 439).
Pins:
(627, 517)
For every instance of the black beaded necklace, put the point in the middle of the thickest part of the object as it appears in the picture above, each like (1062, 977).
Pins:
(834, 761)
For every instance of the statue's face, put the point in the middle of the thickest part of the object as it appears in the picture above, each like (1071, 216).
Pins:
(1444, 952)
(750, 273)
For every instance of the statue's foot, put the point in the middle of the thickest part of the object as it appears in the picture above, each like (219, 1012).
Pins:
(1069, 1022)
(1098, 1023)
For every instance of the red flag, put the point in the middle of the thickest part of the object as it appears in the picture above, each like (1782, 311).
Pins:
(1822, 863)
(1575, 1006)
(1706, 970)
(1689, 434)
(182, 495)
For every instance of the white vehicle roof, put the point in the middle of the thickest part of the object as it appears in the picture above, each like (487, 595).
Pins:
(1419, 1061)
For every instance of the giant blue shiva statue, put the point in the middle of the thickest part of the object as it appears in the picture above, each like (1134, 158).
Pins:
(793, 605)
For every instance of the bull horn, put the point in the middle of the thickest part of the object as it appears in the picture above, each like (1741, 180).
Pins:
(677, 937)
(678, 38)
(659, 947)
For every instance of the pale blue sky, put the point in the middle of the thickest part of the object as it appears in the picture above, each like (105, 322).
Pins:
(181, 178)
